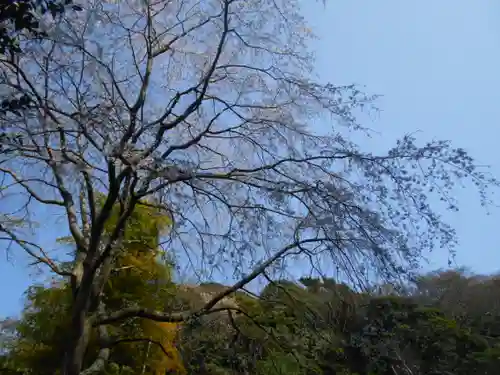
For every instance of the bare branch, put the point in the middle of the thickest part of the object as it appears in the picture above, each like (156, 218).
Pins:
(26, 246)
(209, 108)
(30, 191)
(208, 308)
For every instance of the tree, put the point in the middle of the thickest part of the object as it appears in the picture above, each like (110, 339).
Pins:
(378, 336)
(273, 334)
(138, 277)
(22, 20)
(209, 107)
(470, 299)
(396, 335)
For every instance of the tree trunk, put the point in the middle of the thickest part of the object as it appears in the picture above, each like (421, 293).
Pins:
(80, 329)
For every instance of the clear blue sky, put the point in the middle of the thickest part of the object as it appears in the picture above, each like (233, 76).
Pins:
(437, 65)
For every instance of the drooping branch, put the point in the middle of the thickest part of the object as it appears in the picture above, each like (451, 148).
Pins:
(156, 315)
(208, 308)
(208, 107)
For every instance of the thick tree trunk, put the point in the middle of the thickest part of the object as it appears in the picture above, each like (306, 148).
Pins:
(80, 329)
(78, 345)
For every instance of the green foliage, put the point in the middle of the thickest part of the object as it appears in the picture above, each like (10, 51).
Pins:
(326, 328)
(318, 327)
(138, 277)
(42, 331)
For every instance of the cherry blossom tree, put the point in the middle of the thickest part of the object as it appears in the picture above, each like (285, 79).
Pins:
(210, 110)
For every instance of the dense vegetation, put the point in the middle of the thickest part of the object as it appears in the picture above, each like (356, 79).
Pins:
(447, 323)
(443, 323)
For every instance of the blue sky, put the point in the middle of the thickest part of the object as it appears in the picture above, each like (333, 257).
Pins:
(436, 64)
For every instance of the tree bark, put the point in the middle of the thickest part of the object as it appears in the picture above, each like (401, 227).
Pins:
(81, 326)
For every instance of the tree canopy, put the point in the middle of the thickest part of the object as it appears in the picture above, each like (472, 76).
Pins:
(313, 327)
(206, 113)
(21, 17)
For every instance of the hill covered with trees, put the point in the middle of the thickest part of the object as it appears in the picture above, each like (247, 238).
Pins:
(445, 323)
